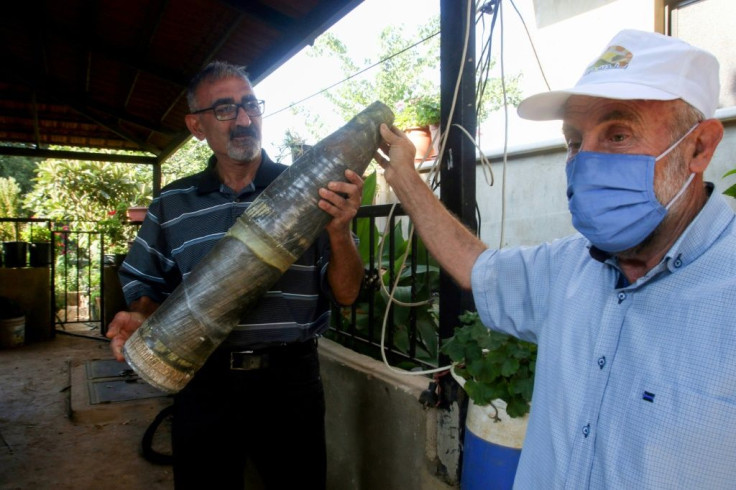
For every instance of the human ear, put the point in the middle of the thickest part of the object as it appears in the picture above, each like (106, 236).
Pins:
(192, 122)
(707, 137)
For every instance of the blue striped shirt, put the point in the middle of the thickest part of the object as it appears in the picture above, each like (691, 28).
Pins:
(183, 224)
(635, 385)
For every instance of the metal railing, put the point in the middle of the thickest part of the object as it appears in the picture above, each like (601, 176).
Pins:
(77, 260)
(407, 327)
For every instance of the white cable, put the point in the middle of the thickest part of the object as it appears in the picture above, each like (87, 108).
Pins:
(485, 163)
(435, 168)
(505, 134)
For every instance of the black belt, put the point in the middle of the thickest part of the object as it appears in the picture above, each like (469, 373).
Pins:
(251, 359)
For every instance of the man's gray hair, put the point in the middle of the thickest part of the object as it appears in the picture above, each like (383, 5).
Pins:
(214, 71)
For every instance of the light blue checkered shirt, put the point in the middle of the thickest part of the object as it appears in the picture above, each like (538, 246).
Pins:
(635, 386)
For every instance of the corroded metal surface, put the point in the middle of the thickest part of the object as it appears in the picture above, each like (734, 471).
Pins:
(275, 230)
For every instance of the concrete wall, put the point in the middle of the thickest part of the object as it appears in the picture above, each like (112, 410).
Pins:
(378, 434)
(30, 287)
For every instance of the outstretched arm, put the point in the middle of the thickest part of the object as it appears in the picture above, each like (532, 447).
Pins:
(449, 241)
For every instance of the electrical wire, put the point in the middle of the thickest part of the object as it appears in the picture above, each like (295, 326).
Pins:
(531, 43)
(359, 72)
(505, 135)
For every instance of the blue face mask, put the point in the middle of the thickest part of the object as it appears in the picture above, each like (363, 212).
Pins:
(611, 197)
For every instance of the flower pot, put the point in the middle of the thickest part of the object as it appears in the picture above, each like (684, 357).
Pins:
(15, 254)
(40, 254)
(12, 332)
(422, 139)
(491, 447)
(136, 214)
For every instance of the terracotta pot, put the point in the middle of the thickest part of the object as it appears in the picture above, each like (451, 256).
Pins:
(136, 214)
(422, 139)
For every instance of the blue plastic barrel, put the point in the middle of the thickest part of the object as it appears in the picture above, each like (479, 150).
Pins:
(491, 448)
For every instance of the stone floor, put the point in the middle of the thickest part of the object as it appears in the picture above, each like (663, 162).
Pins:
(52, 436)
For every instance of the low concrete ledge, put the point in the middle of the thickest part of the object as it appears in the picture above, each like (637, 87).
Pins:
(378, 434)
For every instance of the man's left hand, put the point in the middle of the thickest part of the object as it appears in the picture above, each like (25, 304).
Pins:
(341, 200)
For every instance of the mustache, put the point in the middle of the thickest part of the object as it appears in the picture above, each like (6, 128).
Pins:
(241, 131)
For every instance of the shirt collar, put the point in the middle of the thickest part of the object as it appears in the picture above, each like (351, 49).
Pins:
(700, 234)
(704, 230)
(268, 170)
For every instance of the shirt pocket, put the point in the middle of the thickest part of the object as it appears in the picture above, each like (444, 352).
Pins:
(675, 437)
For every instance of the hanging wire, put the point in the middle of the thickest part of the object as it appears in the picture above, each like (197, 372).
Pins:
(531, 43)
(359, 72)
(505, 137)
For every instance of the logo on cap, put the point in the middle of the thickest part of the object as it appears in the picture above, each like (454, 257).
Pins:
(615, 57)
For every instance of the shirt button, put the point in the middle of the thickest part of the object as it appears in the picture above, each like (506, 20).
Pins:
(621, 297)
(586, 430)
(601, 361)
(678, 263)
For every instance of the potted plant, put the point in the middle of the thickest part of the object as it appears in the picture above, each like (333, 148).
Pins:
(136, 214)
(40, 248)
(418, 112)
(496, 370)
(136, 211)
(419, 118)
(117, 233)
(16, 252)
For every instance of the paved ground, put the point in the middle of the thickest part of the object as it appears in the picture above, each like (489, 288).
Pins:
(43, 447)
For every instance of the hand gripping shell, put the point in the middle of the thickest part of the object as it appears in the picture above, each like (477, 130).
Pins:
(275, 230)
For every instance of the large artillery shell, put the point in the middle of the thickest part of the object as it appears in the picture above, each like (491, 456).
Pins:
(275, 230)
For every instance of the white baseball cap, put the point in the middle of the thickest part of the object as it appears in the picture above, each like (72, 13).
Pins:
(639, 65)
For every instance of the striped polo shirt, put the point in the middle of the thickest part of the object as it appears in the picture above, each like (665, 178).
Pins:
(183, 224)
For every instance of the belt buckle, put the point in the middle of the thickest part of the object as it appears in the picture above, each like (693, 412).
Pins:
(247, 361)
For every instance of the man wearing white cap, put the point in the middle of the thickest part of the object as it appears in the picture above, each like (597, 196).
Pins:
(635, 316)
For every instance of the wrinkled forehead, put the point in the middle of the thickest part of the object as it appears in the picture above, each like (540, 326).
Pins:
(583, 109)
(229, 89)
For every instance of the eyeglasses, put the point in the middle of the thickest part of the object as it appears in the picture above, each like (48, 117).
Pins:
(229, 111)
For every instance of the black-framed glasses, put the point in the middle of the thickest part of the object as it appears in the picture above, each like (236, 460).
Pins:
(229, 110)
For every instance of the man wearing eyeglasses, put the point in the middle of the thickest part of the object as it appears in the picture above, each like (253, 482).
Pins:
(259, 395)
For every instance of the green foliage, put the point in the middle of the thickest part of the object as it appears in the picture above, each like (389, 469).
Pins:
(419, 112)
(20, 168)
(292, 147)
(9, 207)
(116, 230)
(495, 365)
(189, 159)
(731, 191)
(410, 75)
(69, 190)
(36, 233)
(425, 286)
(407, 79)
